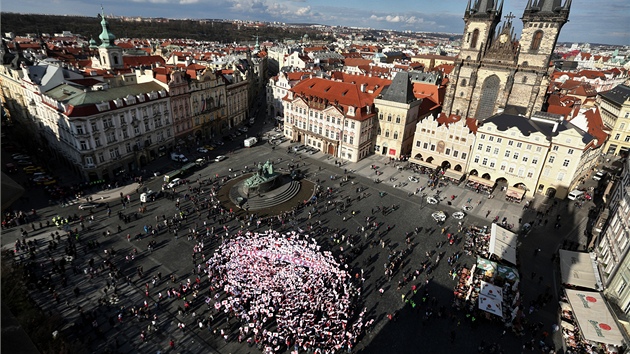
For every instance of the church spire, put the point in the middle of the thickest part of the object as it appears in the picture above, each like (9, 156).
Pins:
(107, 38)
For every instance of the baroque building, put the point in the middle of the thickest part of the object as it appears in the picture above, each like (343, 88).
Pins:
(494, 70)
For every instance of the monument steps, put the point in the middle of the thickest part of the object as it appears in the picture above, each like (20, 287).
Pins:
(282, 197)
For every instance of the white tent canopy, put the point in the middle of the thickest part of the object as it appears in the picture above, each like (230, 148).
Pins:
(503, 243)
(491, 298)
(578, 269)
(593, 317)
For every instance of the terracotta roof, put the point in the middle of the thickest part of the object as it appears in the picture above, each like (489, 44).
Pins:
(346, 92)
(445, 68)
(356, 61)
(443, 119)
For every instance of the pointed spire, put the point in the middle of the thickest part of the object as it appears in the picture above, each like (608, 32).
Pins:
(468, 7)
(567, 5)
(529, 5)
(500, 8)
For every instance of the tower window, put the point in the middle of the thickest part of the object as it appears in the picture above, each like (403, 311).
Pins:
(463, 83)
(538, 35)
(524, 79)
(475, 37)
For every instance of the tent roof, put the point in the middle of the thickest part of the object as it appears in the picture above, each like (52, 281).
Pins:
(577, 268)
(503, 243)
(593, 317)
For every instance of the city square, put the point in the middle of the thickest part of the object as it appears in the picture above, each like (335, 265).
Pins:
(150, 266)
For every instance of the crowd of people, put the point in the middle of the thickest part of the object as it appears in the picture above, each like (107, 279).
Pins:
(286, 292)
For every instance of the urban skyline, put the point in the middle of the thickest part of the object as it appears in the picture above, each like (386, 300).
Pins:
(611, 27)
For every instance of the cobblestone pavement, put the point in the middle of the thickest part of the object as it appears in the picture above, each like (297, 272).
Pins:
(409, 333)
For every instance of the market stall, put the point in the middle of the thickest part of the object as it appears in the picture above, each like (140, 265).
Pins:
(514, 194)
(503, 243)
(579, 269)
(479, 184)
(593, 325)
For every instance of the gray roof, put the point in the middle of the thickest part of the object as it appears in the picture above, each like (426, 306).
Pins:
(619, 94)
(528, 126)
(400, 90)
(75, 96)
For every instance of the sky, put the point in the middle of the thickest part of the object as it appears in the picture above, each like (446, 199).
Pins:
(593, 21)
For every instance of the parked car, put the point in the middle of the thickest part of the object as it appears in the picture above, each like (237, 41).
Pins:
(209, 147)
(220, 158)
(20, 157)
(24, 162)
(575, 194)
(243, 129)
(202, 150)
(599, 176)
(32, 169)
(173, 183)
(87, 206)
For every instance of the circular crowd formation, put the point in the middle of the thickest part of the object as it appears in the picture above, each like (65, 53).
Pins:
(286, 291)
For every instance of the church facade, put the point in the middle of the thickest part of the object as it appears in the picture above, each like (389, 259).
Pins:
(497, 72)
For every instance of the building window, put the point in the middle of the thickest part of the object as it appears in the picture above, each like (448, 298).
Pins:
(398, 119)
(488, 148)
(463, 156)
(570, 151)
(417, 143)
(565, 163)
(491, 138)
(538, 36)
(538, 148)
(552, 159)
(395, 135)
(83, 144)
(351, 140)
(492, 163)
(534, 161)
(511, 169)
(476, 160)
(510, 142)
(627, 139)
(79, 129)
(507, 153)
(530, 174)
(515, 156)
(97, 141)
(484, 161)
(519, 145)
(560, 176)
(496, 151)
(482, 136)
(475, 38)
(387, 133)
(389, 117)
(480, 147)
(448, 151)
(432, 147)
(555, 148)
(622, 286)
(101, 157)
(128, 147)
(455, 153)
(502, 167)
(499, 140)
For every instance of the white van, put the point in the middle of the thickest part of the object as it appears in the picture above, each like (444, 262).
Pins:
(249, 142)
(575, 194)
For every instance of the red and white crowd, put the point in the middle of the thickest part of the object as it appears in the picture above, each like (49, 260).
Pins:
(286, 292)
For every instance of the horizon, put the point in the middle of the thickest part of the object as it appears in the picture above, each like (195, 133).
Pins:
(442, 17)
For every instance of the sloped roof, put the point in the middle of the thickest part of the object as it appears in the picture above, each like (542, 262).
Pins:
(619, 94)
(400, 90)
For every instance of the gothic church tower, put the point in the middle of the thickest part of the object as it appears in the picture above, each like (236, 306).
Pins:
(494, 70)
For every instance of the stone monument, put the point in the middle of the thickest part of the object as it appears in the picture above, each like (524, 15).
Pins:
(263, 180)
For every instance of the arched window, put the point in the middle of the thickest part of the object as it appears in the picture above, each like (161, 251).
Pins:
(398, 119)
(524, 79)
(538, 36)
(115, 60)
(387, 133)
(475, 37)
(395, 135)
(389, 118)
(463, 83)
(379, 131)
(380, 116)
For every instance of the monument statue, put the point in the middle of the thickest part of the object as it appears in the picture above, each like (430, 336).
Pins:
(263, 179)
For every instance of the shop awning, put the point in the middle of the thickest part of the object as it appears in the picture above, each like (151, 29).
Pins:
(483, 181)
(423, 163)
(503, 243)
(453, 174)
(593, 317)
(515, 192)
(579, 269)
(491, 299)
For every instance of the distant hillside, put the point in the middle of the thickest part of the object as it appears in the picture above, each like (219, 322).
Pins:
(90, 27)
